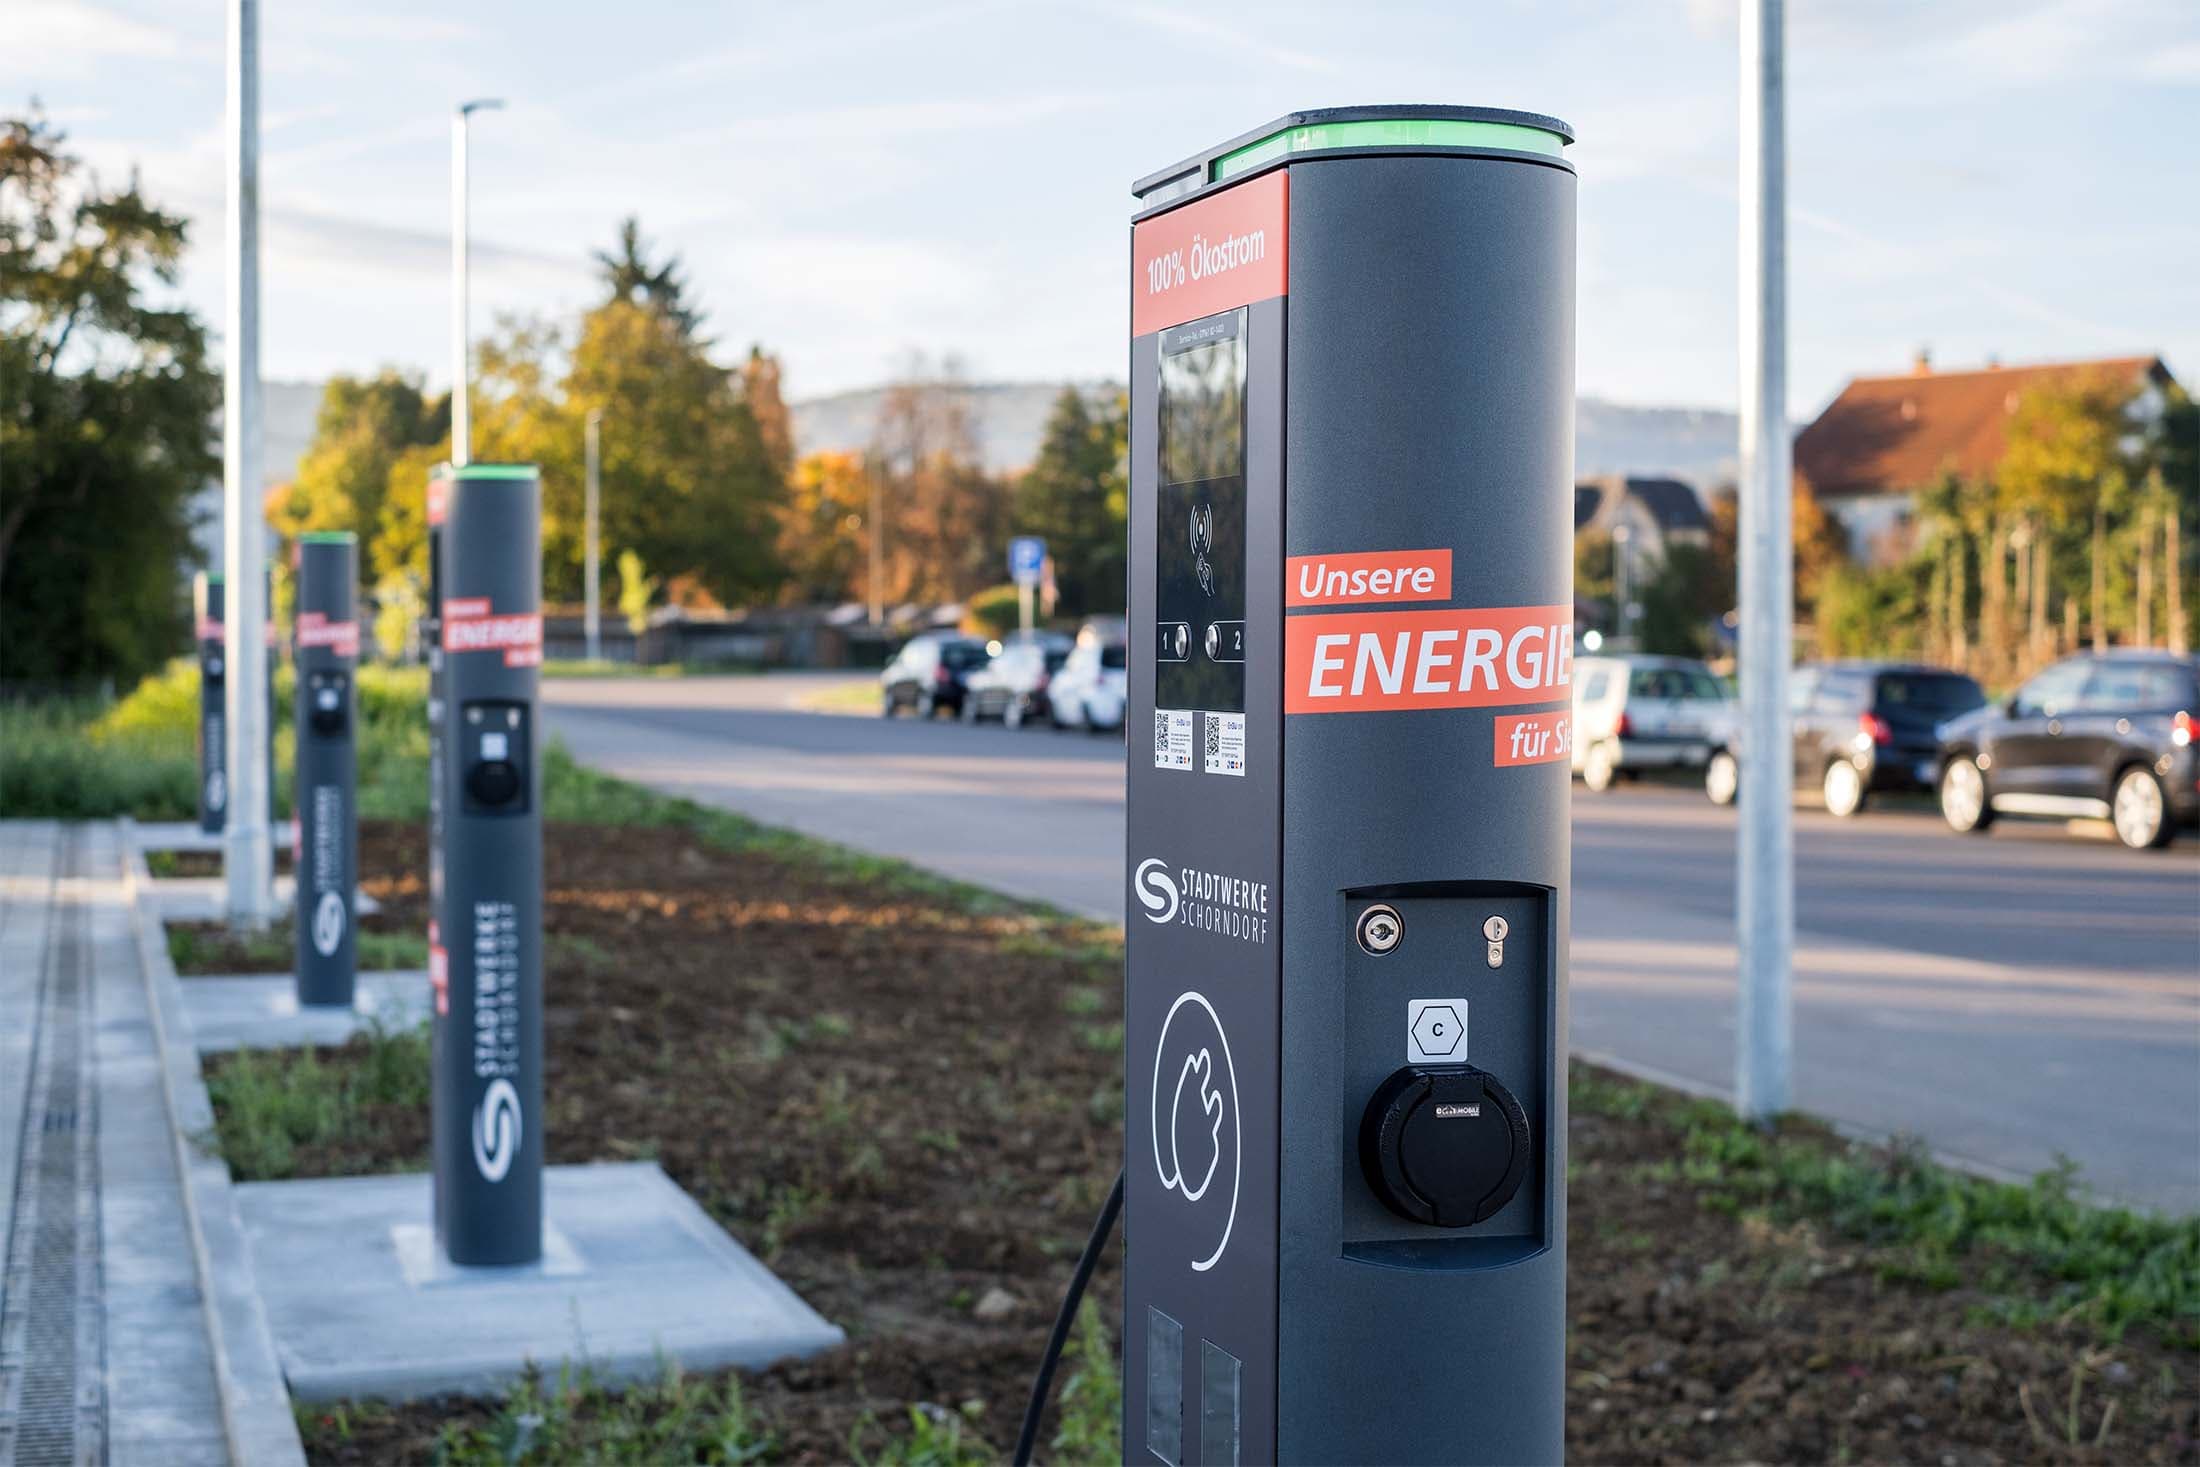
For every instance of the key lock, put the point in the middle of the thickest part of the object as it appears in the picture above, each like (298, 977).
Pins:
(1443, 1144)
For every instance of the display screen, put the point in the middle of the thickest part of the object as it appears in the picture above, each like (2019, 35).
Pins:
(1199, 559)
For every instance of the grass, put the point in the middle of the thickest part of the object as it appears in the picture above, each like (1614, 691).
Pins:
(1090, 1404)
(79, 759)
(675, 1418)
(581, 667)
(2038, 1252)
(271, 1103)
(191, 949)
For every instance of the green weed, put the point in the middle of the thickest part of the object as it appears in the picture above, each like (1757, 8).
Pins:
(270, 1103)
(2047, 1252)
(677, 1418)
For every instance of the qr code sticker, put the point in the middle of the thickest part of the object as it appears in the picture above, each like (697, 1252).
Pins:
(1160, 732)
(1214, 737)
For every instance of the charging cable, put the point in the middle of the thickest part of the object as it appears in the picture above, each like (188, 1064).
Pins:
(1027, 1440)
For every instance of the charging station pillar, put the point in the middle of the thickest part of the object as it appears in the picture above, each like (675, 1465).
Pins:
(325, 661)
(206, 617)
(1351, 461)
(488, 1021)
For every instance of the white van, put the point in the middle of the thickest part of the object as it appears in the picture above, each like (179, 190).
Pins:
(1638, 712)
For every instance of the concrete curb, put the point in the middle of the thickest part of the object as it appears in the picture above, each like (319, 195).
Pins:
(255, 1401)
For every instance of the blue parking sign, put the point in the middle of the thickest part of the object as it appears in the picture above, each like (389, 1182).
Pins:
(1027, 555)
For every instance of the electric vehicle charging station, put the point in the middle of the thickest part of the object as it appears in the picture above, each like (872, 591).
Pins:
(325, 660)
(206, 617)
(1352, 383)
(485, 957)
(213, 733)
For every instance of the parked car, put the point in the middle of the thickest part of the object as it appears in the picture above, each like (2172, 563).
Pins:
(1638, 712)
(1013, 686)
(929, 674)
(2102, 737)
(1860, 728)
(1093, 685)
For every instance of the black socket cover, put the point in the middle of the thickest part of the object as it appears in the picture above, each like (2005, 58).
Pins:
(326, 715)
(1445, 1145)
(493, 781)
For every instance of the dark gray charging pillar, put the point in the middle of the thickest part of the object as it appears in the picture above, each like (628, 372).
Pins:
(213, 735)
(1351, 588)
(488, 1050)
(325, 661)
(206, 609)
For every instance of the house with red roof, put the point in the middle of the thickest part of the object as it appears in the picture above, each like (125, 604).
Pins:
(1884, 439)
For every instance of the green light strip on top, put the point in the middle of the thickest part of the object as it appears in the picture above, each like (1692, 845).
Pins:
(328, 537)
(496, 471)
(1390, 132)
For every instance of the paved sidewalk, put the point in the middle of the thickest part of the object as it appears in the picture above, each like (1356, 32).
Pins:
(109, 1349)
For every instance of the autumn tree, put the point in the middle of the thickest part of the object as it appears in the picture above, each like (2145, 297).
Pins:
(822, 540)
(946, 519)
(364, 426)
(108, 427)
(1076, 496)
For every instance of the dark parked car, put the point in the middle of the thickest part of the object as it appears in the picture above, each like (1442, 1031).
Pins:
(1862, 728)
(930, 674)
(2100, 737)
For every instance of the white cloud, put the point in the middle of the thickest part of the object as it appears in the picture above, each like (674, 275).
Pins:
(67, 38)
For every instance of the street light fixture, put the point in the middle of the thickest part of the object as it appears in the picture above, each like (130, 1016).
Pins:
(461, 374)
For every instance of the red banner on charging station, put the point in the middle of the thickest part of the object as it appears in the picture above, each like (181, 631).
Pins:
(1229, 249)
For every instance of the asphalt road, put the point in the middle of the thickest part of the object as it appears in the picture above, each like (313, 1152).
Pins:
(2011, 999)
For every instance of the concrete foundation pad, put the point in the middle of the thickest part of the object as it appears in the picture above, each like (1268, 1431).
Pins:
(261, 1010)
(634, 1274)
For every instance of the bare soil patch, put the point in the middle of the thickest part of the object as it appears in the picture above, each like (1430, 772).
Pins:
(903, 1103)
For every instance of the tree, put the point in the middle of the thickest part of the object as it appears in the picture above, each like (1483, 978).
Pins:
(774, 425)
(1075, 496)
(822, 543)
(626, 269)
(364, 427)
(107, 430)
(2066, 467)
(688, 483)
(946, 519)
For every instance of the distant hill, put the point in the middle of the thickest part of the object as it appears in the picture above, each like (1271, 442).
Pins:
(1695, 444)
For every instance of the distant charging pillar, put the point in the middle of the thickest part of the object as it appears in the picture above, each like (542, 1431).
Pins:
(1351, 610)
(325, 658)
(488, 1022)
(206, 609)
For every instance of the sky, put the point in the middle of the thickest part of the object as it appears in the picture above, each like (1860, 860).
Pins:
(846, 182)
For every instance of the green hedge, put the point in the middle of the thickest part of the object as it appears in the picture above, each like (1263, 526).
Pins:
(80, 760)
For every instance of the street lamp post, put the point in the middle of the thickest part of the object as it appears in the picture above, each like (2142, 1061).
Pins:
(461, 373)
(1765, 850)
(247, 858)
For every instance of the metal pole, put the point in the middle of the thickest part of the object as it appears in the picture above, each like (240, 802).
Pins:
(1765, 853)
(461, 414)
(248, 863)
(592, 571)
(461, 354)
(878, 543)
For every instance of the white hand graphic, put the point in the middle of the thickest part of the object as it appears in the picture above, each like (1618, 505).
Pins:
(1210, 1102)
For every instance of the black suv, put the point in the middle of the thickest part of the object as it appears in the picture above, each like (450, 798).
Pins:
(1860, 728)
(930, 673)
(2107, 736)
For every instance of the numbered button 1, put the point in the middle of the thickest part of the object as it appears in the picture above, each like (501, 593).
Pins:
(1173, 642)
